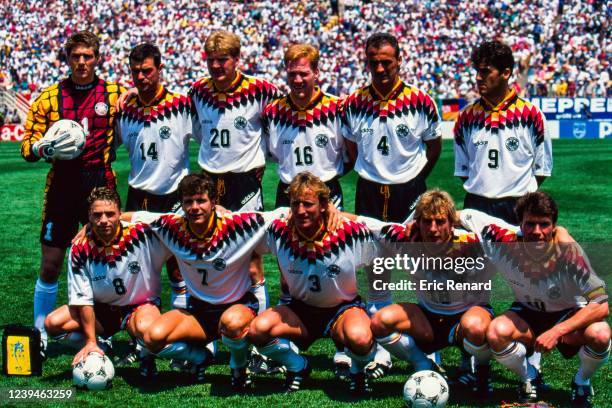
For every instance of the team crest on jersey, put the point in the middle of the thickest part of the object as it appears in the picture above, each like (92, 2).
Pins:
(333, 271)
(321, 140)
(219, 264)
(101, 108)
(165, 132)
(134, 267)
(240, 123)
(512, 144)
(402, 131)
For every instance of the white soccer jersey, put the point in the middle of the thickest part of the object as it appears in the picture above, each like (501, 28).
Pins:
(501, 150)
(306, 139)
(390, 133)
(322, 273)
(215, 267)
(394, 241)
(563, 280)
(230, 123)
(156, 138)
(126, 272)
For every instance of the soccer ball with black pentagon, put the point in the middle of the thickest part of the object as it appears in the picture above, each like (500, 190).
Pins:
(94, 373)
(426, 389)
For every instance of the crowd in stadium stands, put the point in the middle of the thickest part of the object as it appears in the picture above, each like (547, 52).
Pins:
(561, 47)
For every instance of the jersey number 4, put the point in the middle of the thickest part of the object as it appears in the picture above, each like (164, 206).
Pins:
(383, 146)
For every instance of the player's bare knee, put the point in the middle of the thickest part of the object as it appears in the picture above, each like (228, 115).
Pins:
(234, 326)
(53, 325)
(382, 323)
(155, 337)
(499, 333)
(259, 330)
(597, 336)
(474, 328)
(358, 339)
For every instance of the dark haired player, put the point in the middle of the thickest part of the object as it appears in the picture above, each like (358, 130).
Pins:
(89, 100)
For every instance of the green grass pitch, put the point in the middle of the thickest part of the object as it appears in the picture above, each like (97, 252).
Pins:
(580, 183)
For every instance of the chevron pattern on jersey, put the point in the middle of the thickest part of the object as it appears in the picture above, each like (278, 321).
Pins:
(89, 249)
(512, 114)
(331, 244)
(247, 90)
(405, 100)
(324, 109)
(168, 105)
(227, 229)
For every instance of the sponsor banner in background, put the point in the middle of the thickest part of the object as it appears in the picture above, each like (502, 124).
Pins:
(11, 133)
(585, 129)
(574, 108)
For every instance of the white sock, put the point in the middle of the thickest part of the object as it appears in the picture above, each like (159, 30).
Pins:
(280, 351)
(45, 295)
(239, 351)
(482, 353)
(260, 291)
(183, 351)
(535, 359)
(590, 361)
(212, 347)
(405, 348)
(382, 356)
(514, 357)
(358, 362)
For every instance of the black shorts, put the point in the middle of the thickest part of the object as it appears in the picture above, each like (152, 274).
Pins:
(319, 320)
(539, 322)
(497, 207)
(239, 191)
(388, 202)
(140, 200)
(208, 315)
(65, 205)
(444, 329)
(115, 318)
(335, 194)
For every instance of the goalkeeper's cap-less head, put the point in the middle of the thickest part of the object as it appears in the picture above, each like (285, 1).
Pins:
(86, 38)
(494, 53)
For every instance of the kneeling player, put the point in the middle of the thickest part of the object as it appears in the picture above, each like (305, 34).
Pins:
(442, 317)
(113, 280)
(559, 301)
(319, 268)
(213, 253)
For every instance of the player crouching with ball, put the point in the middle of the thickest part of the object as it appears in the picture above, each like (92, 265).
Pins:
(319, 268)
(113, 281)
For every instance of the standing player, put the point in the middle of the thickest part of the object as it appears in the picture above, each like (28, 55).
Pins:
(502, 148)
(229, 106)
(89, 100)
(559, 301)
(303, 128)
(213, 253)
(442, 317)
(155, 126)
(319, 268)
(395, 127)
(113, 280)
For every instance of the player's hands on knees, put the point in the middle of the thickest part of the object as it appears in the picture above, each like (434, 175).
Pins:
(124, 97)
(90, 347)
(547, 340)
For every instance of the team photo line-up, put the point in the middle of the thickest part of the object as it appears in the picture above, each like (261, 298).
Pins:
(210, 231)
